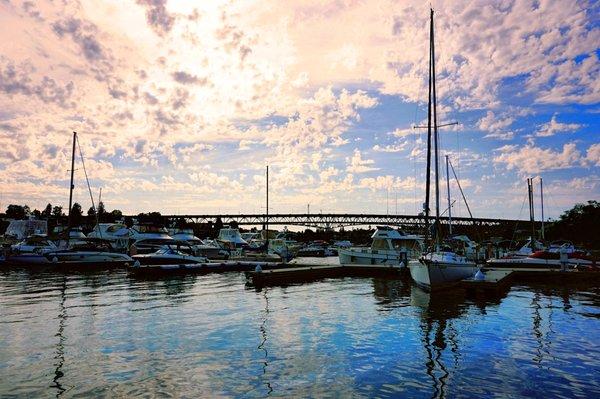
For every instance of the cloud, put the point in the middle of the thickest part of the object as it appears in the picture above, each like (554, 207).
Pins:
(16, 79)
(187, 78)
(551, 128)
(356, 164)
(390, 147)
(496, 126)
(531, 159)
(157, 15)
(593, 154)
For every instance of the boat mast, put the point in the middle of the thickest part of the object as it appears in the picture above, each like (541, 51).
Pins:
(542, 198)
(267, 211)
(435, 139)
(449, 204)
(428, 181)
(71, 187)
(531, 210)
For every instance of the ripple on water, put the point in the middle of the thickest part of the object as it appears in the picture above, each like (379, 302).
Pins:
(108, 334)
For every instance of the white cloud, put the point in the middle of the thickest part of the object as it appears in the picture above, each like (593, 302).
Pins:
(531, 159)
(551, 128)
(356, 164)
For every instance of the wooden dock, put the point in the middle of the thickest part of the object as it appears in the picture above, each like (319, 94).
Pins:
(306, 273)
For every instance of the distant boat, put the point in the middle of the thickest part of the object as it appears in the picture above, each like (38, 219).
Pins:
(233, 236)
(439, 268)
(173, 252)
(147, 230)
(389, 247)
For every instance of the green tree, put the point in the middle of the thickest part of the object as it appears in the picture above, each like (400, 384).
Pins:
(76, 215)
(16, 211)
(57, 211)
(47, 212)
(580, 224)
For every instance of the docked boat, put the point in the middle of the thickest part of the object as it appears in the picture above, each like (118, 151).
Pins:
(315, 250)
(389, 247)
(441, 267)
(174, 252)
(117, 233)
(561, 255)
(35, 243)
(233, 236)
(144, 231)
(88, 253)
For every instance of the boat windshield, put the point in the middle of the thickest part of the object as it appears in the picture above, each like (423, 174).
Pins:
(405, 244)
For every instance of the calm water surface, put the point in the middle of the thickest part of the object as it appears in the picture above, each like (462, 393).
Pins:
(108, 334)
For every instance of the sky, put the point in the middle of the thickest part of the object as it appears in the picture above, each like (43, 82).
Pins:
(180, 105)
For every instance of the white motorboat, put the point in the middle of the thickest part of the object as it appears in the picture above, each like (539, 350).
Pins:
(149, 231)
(91, 252)
(233, 236)
(117, 233)
(389, 247)
(439, 268)
(177, 252)
(34, 243)
(21, 229)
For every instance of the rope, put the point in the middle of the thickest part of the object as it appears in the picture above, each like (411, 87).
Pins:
(89, 187)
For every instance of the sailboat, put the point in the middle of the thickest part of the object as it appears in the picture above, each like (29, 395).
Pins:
(441, 267)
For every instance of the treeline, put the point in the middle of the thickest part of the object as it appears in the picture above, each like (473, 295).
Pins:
(55, 215)
(580, 224)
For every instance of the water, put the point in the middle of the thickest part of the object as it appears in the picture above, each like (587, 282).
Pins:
(112, 335)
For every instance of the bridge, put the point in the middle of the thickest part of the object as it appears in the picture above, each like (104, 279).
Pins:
(337, 220)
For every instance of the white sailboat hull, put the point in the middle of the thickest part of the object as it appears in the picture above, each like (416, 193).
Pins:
(438, 275)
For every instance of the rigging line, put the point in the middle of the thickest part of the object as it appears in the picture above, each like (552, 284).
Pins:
(89, 187)
(517, 224)
(464, 198)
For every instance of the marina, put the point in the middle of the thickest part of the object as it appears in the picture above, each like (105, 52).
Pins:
(345, 199)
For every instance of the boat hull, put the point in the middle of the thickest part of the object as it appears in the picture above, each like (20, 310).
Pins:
(439, 275)
(368, 257)
(536, 264)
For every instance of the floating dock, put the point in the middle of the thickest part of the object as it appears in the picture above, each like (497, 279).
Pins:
(305, 273)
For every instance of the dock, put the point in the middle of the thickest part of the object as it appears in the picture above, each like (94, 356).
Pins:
(306, 273)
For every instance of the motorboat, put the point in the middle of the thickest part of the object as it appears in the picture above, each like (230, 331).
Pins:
(150, 245)
(316, 249)
(232, 235)
(143, 231)
(83, 253)
(388, 247)
(117, 233)
(35, 243)
(174, 252)
(561, 255)
(21, 229)
(186, 235)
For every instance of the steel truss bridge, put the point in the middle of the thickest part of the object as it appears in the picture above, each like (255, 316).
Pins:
(337, 220)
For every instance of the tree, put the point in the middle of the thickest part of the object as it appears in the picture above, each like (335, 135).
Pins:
(36, 213)
(57, 212)
(101, 212)
(128, 222)
(76, 215)
(16, 211)
(47, 212)
(91, 214)
(580, 224)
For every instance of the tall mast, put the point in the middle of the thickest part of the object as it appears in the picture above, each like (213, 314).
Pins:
(71, 187)
(428, 181)
(542, 199)
(531, 210)
(267, 211)
(449, 204)
(435, 138)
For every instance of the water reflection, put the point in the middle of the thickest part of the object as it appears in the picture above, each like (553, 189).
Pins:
(338, 337)
(59, 357)
(262, 346)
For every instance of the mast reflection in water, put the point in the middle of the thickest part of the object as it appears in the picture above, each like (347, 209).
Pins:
(112, 335)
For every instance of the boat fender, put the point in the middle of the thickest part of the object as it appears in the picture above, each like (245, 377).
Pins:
(258, 269)
(136, 263)
(402, 264)
(479, 276)
(54, 259)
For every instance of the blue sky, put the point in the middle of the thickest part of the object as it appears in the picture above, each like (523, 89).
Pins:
(182, 113)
